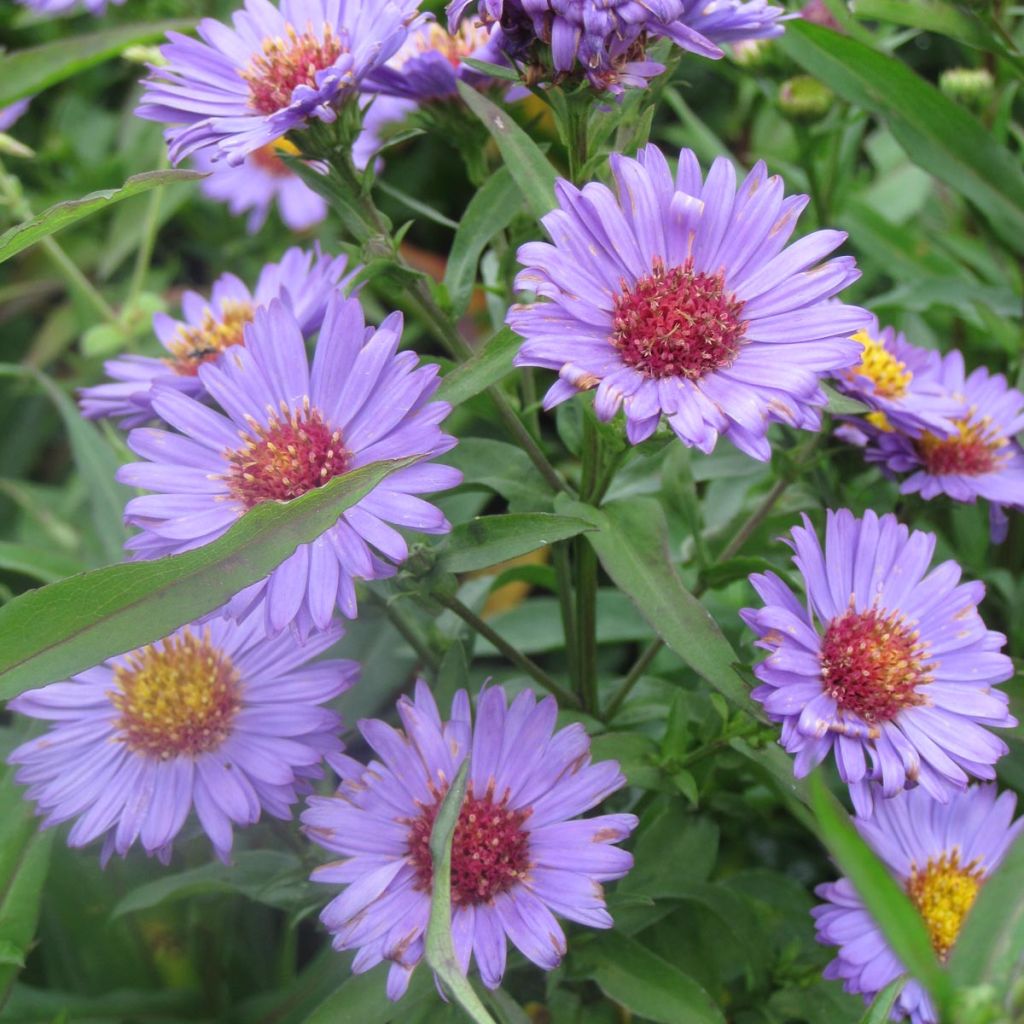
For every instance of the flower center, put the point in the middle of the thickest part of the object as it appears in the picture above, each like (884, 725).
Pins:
(943, 893)
(284, 64)
(974, 449)
(176, 697)
(490, 850)
(193, 346)
(890, 377)
(268, 158)
(677, 323)
(294, 453)
(871, 664)
(433, 38)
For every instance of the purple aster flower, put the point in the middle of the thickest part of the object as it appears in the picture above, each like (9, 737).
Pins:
(62, 6)
(215, 717)
(679, 298)
(9, 115)
(302, 280)
(516, 855)
(978, 458)
(901, 382)
(262, 179)
(287, 429)
(733, 21)
(240, 89)
(941, 854)
(888, 663)
(382, 117)
(429, 64)
(603, 38)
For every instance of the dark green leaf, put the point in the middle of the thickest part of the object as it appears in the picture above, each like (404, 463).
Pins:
(631, 540)
(43, 564)
(61, 215)
(530, 168)
(885, 900)
(500, 71)
(990, 947)
(490, 540)
(647, 985)
(930, 15)
(69, 626)
(362, 999)
(486, 367)
(27, 72)
(937, 134)
(272, 877)
(499, 467)
(880, 1010)
(489, 211)
(842, 405)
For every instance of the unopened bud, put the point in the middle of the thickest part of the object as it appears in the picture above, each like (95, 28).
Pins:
(144, 55)
(974, 87)
(10, 146)
(753, 54)
(803, 98)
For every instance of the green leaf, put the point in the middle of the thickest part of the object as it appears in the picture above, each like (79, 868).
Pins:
(886, 902)
(362, 999)
(66, 627)
(631, 540)
(931, 15)
(530, 168)
(24, 862)
(490, 540)
(94, 459)
(881, 1006)
(842, 405)
(499, 467)
(272, 877)
(491, 210)
(486, 367)
(440, 951)
(43, 564)
(27, 72)
(61, 215)
(990, 946)
(645, 984)
(937, 134)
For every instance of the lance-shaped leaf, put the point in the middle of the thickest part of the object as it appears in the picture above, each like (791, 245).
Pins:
(26, 72)
(530, 168)
(486, 367)
(880, 1010)
(61, 215)
(66, 627)
(489, 540)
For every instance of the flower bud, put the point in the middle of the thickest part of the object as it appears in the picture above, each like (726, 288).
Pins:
(973, 87)
(803, 98)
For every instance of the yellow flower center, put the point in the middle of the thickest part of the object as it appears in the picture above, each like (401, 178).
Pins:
(890, 377)
(193, 346)
(943, 893)
(975, 448)
(466, 41)
(178, 696)
(268, 157)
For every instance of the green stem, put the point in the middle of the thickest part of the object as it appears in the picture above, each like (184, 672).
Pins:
(578, 107)
(11, 193)
(410, 634)
(586, 574)
(147, 242)
(640, 666)
(521, 661)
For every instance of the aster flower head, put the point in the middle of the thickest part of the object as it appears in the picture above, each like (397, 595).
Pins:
(215, 718)
(430, 62)
(260, 181)
(888, 666)
(516, 854)
(901, 382)
(679, 298)
(287, 428)
(979, 457)
(303, 280)
(10, 115)
(941, 854)
(734, 21)
(238, 89)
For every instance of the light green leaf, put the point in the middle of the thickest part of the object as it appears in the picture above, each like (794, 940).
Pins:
(66, 627)
(486, 367)
(94, 459)
(886, 902)
(42, 564)
(881, 1006)
(440, 952)
(937, 134)
(490, 540)
(645, 984)
(990, 947)
(272, 877)
(931, 15)
(530, 168)
(27, 72)
(489, 211)
(842, 405)
(631, 540)
(24, 862)
(61, 215)
(362, 999)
